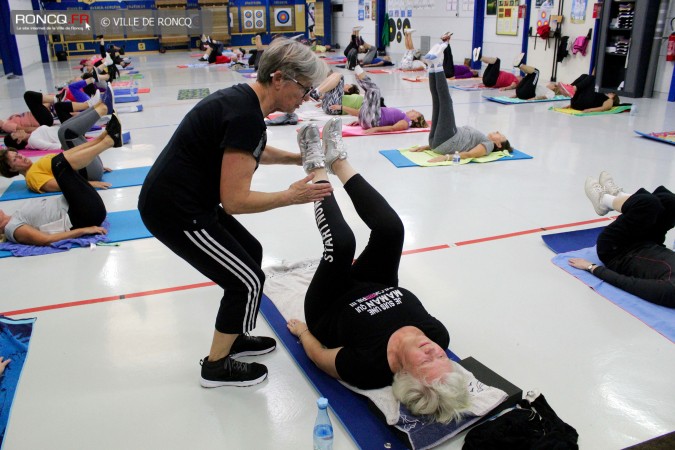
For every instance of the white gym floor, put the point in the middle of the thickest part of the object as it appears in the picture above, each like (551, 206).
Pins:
(124, 374)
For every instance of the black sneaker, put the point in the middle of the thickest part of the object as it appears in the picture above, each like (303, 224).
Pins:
(247, 345)
(202, 59)
(230, 372)
(114, 130)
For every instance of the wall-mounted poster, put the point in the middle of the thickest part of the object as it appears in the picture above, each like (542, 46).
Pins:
(507, 17)
(373, 10)
(366, 11)
(491, 8)
(579, 11)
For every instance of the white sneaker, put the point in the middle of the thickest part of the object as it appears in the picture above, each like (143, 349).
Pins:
(435, 55)
(476, 54)
(607, 182)
(333, 146)
(358, 70)
(309, 141)
(518, 60)
(446, 36)
(357, 28)
(94, 99)
(409, 31)
(594, 192)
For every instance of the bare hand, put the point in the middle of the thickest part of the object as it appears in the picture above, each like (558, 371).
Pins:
(370, 131)
(335, 107)
(419, 148)
(3, 364)
(303, 191)
(579, 263)
(296, 326)
(354, 124)
(94, 230)
(442, 158)
(107, 169)
(100, 184)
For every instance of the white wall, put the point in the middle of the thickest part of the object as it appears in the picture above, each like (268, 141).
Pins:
(29, 48)
(436, 20)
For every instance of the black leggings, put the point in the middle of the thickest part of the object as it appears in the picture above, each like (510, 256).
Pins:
(585, 96)
(85, 206)
(449, 63)
(491, 73)
(354, 43)
(223, 251)
(37, 108)
(216, 50)
(336, 275)
(527, 88)
(632, 247)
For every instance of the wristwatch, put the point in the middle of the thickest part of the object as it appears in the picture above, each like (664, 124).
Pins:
(590, 268)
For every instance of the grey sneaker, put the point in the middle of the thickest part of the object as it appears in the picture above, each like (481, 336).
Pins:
(594, 192)
(607, 182)
(309, 141)
(284, 119)
(333, 146)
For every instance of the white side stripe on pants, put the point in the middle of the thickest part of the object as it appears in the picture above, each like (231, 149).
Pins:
(225, 258)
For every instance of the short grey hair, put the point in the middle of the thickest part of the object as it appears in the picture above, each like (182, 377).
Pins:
(293, 59)
(444, 399)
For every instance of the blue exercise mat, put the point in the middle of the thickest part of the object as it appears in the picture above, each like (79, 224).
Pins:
(118, 178)
(124, 226)
(247, 70)
(125, 91)
(656, 138)
(659, 318)
(516, 101)
(367, 430)
(400, 161)
(126, 99)
(572, 240)
(14, 341)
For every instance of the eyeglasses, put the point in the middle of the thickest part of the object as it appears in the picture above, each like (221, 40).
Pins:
(305, 90)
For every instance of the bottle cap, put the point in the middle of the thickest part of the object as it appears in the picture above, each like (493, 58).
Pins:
(322, 402)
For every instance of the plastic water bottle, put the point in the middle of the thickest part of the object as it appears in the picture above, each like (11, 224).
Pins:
(456, 159)
(323, 430)
(634, 109)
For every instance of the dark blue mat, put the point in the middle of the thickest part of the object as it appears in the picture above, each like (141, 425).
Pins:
(572, 240)
(118, 178)
(367, 430)
(400, 161)
(124, 226)
(14, 341)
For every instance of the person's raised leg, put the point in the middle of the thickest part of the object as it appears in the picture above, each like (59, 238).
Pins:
(332, 277)
(445, 115)
(331, 92)
(72, 131)
(370, 112)
(35, 102)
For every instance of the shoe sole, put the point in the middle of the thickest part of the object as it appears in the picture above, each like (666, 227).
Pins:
(214, 384)
(252, 352)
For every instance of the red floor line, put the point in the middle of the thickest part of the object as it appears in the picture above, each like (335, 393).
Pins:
(501, 236)
(425, 249)
(211, 283)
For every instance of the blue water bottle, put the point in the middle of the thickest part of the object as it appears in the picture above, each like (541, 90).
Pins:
(323, 430)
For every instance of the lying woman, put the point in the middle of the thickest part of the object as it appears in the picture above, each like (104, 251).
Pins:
(78, 212)
(375, 118)
(445, 137)
(362, 327)
(631, 247)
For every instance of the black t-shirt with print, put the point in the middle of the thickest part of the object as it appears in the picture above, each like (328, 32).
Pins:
(363, 327)
(184, 183)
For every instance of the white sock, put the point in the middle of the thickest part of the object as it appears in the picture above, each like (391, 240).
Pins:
(607, 200)
(206, 56)
(94, 99)
(358, 70)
